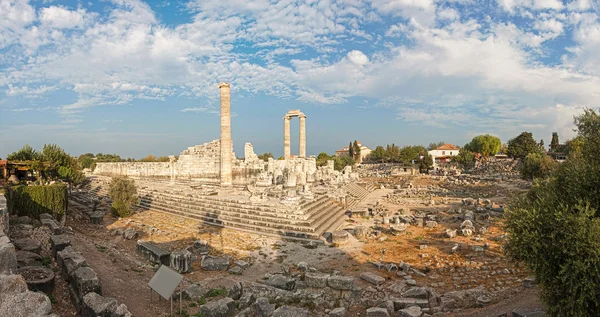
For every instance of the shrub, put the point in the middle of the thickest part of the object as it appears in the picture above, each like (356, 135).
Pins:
(35, 200)
(555, 228)
(537, 165)
(123, 193)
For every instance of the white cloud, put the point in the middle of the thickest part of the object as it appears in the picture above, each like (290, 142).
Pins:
(358, 57)
(62, 18)
(510, 5)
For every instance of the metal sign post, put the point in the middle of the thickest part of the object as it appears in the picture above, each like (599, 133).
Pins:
(164, 282)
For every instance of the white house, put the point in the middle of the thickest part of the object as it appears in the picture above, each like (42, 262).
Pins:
(364, 151)
(444, 153)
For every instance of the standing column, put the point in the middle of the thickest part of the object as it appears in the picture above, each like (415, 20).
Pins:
(302, 149)
(226, 179)
(286, 138)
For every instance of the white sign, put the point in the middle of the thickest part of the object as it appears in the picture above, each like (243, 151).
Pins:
(165, 281)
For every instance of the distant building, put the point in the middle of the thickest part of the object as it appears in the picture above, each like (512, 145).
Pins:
(364, 151)
(444, 153)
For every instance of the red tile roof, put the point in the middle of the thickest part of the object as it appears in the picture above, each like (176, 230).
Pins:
(447, 147)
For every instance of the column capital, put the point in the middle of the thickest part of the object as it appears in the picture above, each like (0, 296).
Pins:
(224, 85)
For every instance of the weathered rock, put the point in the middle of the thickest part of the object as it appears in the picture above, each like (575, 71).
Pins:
(340, 237)
(263, 308)
(8, 256)
(345, 283)
(450, 233)
(194, 292)
(11, 285)
(52, 225)
(377, 312)
(59, 243)
(360, 231)
(416, 292)
(236, 270)
(289, 311)
(467, 224)
(46, 216)
(153, 253)
(181, 261)
(246, 300)
(405, 267)
(413, 311)
(215, 263)
(130, 233)
(69, 260)
(4, 216)
(221, 308)
(281, 282)
(26, 304)
(401, 303)
(84, 280)
(464, 298)
(241, 263)
(372, 278)
(27, 244)
(431, 224)
(338, 312)
(302, 266)
(466, 232)
(483, 300)
(316, 280)
(121, 311)
(96, 305)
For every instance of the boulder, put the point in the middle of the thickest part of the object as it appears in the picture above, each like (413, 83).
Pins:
(450, 233)
(401, 303)
(236, 270)
(431, 224)
(69, 260)
(316, 280)
(466, 232)
(377, 312)
(46, 216)
(405, 267)
(263, 308)
(337, 312)
(281, 282)
(26, 258)
(302, 266)
(246, 300)
(289, 311)
(59, 243)
(416, 292)
(344, 283)
(215, 263)
(241, 263)
(372, 278)
(84, 280)
(130, 234)
(52, 225)
(27, 244)
(26, 304)
(413, 311)
(8, 256)
(194, 292)
(11, 285)
(96, 305)
(224, 307)
(121, 311)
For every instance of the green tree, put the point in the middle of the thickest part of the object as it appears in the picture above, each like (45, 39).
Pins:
(426, 163)
(465, 158)
(571, 146)
(392, 153)
(265, 156)
(537, 165)
(339, 162)
(123, 194)
(26, 153)
(411, 152)
(522, 145)
(149, 158)
(555, 228)
(322, 159)
(351, 150)
(485, 144)
(377, 155)
(356, 150)
(433, 146)
(87, 160)
(554, 143)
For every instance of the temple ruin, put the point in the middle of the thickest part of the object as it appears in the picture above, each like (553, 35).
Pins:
(292, 197)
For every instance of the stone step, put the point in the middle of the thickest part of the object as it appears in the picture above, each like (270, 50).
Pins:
(260, 222)
(284, 234)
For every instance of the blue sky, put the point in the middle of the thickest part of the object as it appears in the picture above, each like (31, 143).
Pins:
(138, 78)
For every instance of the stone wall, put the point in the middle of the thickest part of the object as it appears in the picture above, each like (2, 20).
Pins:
(3, 216)
(202, 163)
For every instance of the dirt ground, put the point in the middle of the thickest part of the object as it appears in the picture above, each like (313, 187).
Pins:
(124, 274)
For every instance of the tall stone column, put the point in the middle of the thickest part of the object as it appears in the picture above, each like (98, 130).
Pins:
(302, 149)
(226, 178)
(286, 138)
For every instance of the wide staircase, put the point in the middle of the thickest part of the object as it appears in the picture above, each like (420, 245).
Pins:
(356, 193)
(316, 216)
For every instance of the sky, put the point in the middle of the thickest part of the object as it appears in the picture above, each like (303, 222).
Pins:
(138, 78)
